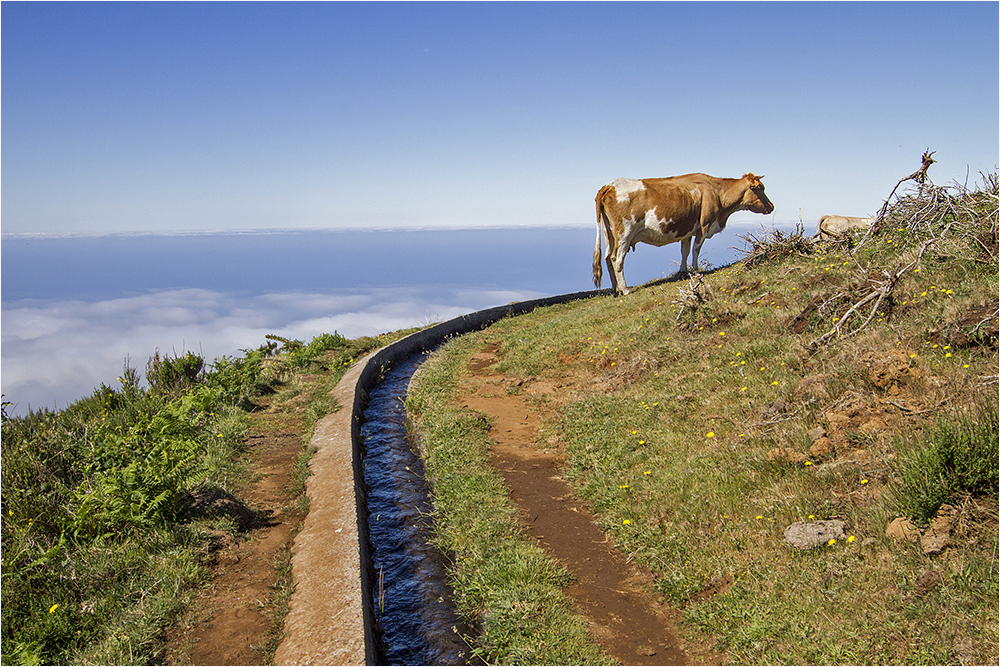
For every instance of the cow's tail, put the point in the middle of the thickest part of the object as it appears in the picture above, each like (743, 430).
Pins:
(598, 271)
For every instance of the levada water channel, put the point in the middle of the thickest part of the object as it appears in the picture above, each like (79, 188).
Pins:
(415, 620)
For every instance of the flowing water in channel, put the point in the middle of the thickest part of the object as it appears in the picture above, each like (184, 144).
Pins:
(416, 621)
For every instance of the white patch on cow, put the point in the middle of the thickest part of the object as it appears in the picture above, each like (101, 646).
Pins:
(652, 220)
(651, 231)
(713, 229)
(624, 187)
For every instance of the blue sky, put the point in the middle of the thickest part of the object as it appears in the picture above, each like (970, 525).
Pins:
(167, 117)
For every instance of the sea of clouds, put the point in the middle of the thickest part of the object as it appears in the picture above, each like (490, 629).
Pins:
(74, 311)
(55, 352)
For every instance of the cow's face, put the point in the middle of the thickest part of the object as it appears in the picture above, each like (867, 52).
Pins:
(754, 198)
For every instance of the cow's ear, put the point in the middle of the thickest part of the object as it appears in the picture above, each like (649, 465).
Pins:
(752, 179)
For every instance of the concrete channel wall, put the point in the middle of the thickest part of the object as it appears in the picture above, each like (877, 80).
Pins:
(331, 617)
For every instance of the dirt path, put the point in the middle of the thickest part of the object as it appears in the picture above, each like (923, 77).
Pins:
(232, 621)
(612, 591)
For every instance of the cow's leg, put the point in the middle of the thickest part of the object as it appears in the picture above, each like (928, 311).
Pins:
(698, 241)
(685, 249)
(617, 267)
(611, 272)
(611, 243)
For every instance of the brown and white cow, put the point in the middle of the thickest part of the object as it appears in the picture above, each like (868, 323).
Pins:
(832, 227)
(659, 211)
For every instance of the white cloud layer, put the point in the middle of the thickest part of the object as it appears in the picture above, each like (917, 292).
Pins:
(55, 352)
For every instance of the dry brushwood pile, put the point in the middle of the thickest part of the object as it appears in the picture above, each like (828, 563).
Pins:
(952, 223)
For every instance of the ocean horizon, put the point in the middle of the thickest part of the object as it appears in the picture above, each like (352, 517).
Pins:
(76, 309)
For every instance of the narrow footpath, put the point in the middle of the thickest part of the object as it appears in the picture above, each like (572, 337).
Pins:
(236, 620)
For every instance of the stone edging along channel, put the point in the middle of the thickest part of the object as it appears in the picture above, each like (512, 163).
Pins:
(330, 619)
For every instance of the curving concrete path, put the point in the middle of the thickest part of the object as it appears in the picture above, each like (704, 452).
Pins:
(330, 620)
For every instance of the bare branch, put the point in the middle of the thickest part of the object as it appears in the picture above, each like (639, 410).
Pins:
(920, 175)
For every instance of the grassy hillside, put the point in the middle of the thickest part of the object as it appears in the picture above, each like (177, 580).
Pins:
(111, 507)
(853, 381)
(700, 418)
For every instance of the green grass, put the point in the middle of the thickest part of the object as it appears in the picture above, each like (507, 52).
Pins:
(100, 553)
(674, 406)
(676, 400)
(508, 587)
(956, 459)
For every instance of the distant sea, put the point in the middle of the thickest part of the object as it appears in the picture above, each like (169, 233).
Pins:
(75, 310)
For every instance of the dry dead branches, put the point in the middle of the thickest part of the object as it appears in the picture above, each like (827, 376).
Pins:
(773, 244)
(920, 175)
(693, 294)
(955, 222)
(926, 210)
(868, 299)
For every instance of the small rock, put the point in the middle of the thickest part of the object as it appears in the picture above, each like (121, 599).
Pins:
(873, 425)
(782, 454)
(859, 456)
(817, 433)
(822, 448)
(803, 535)
(812, 387)
(927, 582)
(938, 536)
(903, 530)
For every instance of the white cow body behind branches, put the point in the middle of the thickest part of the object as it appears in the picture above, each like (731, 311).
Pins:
(833, 227)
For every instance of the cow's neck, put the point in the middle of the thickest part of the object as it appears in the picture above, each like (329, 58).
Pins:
(731, 195)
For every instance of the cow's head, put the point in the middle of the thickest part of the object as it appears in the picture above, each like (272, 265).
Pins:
(754, 198)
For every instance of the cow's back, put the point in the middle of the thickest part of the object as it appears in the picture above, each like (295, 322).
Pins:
(836, 226)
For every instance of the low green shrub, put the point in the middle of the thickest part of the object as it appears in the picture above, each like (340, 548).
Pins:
(98, 554)
(171, 376)
(956, 458)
